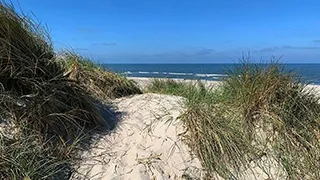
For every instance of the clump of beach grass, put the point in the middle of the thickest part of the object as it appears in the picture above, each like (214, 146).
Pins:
(259, 111)
(212, 132)
(34, 90)
(46, 115)
(269, 96)
(99, 82)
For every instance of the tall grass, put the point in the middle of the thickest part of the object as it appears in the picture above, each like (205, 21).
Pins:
(213, 133)
(259, 111)
(45, 113)
(26, 158)
(275, 98)
(34, 90)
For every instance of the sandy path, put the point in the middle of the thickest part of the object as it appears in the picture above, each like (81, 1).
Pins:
(146, 144)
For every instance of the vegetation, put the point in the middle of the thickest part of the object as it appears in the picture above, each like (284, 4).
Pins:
(172, 87)
(259, 112)
(46, 113)
(26, 157)
(97, 81)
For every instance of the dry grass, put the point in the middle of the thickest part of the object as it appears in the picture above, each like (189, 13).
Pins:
(98, 81)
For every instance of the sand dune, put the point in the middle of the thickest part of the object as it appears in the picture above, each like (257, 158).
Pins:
(147, 144)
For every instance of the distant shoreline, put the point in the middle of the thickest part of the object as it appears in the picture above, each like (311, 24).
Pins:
(217, 72)
(143, 82)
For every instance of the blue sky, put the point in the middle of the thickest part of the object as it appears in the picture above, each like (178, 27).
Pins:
(183, 31)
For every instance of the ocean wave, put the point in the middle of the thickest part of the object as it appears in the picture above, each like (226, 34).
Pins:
(143, 72)
(210, 75)
(127, 72)
(178, 74)
(213, 76)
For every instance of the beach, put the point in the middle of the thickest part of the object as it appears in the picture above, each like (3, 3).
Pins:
(158, 101)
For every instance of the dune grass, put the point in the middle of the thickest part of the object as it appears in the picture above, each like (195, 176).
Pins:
(37, 100)
(48, 103)
(35, 92)
(172, 87)
(26, 158)
(99, 82)
(259, 112)
(47, 113)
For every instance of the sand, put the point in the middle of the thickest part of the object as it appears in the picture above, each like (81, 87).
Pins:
(147, 144)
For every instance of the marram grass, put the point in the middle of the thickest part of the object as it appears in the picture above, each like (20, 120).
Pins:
(34, 90)
(97, 81)
(259, 111)
(46, 111)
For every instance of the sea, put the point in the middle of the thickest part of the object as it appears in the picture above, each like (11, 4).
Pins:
(310, 73)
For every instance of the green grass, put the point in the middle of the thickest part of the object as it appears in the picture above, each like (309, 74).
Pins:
(193, 91)
(172, 87)
(224, 124)
(27, 158)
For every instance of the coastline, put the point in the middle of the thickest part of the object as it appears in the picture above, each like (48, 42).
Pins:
(143, 82)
